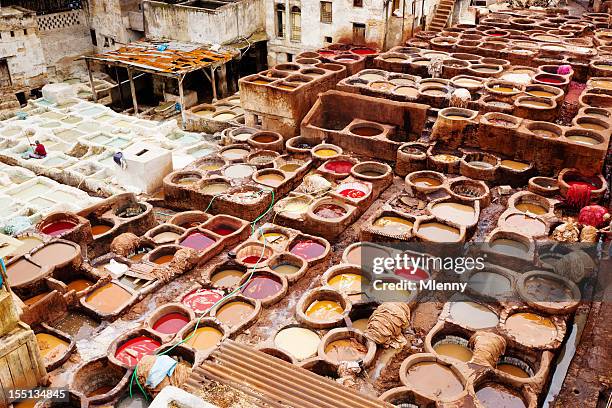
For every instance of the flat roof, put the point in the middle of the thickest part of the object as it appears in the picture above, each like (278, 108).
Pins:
(177, 58)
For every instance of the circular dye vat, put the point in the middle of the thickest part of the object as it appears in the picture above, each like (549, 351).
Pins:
(234, 153)
(490, 284)
(532, 329)
(97, 230)
(22, 271)
(349, 349)
(164, 259)
(108, 298)
(171, 323)
(54, 253)
(359, 253)
(187, 180)
(406, 91)
(473, 315)
(238, 171)
(227, 278)
(513, 370)
(541, 94)
(531, 208)
(325, 152)
(371, 76)
(346, 282)
(35, 299)
(210, 166)
(28, 243)
(166, 236)
(58, 228)
(394, 225)
(324, 310)
(140, 253)
(204, 338)
(262, 287)
(427, 181)
(363, 51)
(223, 229)
(51, 347)
(504, 89)
(300, 342)
(339, 166)
(434, 380)
(276, 238)
(585, 140)
(529, 225)
(454, 347)
(509, 247)
(547, 290)
(438, 232)
(329, 211)
(290, 167)
(254, 259)
(412, 273)
(367, 131)
(286, 269)
(78, 285)
(234, 313)
(215, 188)
(495, 395)
(133, 350)
(270, 179)
(198, 241)
(307, 249)
(460, 213)
(201, 300)
(514, 165)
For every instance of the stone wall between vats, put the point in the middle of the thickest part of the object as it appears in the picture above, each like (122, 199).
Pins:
(227, 23)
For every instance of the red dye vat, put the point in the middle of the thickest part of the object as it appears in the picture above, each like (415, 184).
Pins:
(412, 273)
(262, 287)
(363, 51)
(223, 230)
(133, 350)
(549, 80)
(197, 240)
(326, 52)
(201, 300)
(339, 166)
(58, 228)
(495, 34)
(307, 249)
(330, 211)
(582, 184)
(352, 193)
(171, 323)
(253, 259)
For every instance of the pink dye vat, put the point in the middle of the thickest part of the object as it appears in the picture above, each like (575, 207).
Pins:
(307, 249)
(201, 300)
(197, 240)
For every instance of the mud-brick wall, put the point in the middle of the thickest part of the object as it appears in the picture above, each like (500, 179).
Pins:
(110, 19)
(21, 48)
(225, 24)
(64, 37)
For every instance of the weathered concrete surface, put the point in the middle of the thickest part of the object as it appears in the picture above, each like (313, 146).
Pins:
(227, 23)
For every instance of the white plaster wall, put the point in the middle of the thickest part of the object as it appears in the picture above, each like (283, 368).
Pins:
(110, 18)
(23, 52)
(222, 25)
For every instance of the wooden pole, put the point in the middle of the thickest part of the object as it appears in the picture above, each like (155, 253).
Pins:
(133, 90)
(214, 84)
(120, 85)
(91, 81)
(182, 99)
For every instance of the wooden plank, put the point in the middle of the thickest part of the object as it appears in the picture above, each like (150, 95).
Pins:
(27, 366)
(6, 381)
(17, 374)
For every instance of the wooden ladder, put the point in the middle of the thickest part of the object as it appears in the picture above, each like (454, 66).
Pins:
(441, 15)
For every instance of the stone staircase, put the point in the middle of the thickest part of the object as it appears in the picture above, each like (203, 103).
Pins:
(441, 15)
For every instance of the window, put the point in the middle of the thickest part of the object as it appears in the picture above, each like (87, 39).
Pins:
(358, 33)
(289, 57)
(296, 24)
(395, 5)
(326, 12)
(25, 32)
(280, 20)
(328, 39)
(12, 33)
(357, 3)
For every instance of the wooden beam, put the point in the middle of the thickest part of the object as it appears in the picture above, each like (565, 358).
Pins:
(214, 84)
(133, 89)
(120, 85)
(182, 100)
(91, 81)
